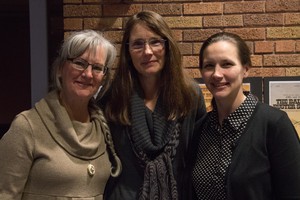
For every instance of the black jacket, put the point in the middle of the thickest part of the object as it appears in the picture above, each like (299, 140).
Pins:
(265, 164)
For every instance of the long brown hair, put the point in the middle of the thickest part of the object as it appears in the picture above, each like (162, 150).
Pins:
(176, 88)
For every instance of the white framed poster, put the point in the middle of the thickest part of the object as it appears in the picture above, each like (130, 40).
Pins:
(284, 93)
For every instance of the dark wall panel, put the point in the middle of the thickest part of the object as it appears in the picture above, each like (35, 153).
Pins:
(15, 59)
(15, 80)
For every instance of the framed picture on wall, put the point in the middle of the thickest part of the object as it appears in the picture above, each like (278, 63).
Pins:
(284, 94)
(252, 84)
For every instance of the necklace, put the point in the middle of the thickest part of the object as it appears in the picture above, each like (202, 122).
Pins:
(91, 169)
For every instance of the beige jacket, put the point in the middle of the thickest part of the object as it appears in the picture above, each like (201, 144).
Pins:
(45, 156)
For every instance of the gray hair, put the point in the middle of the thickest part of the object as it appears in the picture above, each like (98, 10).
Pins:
(75, 45)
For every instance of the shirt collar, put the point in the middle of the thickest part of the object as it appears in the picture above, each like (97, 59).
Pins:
(239, 116)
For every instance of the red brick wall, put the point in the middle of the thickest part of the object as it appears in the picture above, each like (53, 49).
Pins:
(270, 27)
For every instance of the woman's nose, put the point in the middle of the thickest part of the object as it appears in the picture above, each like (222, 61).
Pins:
(218, 72)
(148, 49)
(88, 72)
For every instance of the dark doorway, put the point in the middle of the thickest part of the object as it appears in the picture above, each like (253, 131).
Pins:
(15, 80)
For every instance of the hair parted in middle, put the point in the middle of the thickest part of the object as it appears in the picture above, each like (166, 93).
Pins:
(242, 48)
(176, 87)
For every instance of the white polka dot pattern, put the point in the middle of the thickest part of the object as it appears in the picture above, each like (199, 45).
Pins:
(215, 148)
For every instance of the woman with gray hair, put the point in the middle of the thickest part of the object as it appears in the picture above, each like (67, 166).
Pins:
(62, 147)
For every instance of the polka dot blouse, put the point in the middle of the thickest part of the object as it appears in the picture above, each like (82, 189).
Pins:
(215, 149)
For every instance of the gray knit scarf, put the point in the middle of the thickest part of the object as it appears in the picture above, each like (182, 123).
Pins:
(155, 150)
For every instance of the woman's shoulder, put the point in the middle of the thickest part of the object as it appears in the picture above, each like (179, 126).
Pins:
(26, 115)
(269, 111)
(30, 117)
(25, 120)
(21, 126)
(271, 116)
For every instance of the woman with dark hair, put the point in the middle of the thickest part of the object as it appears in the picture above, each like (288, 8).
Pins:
(244, 149)
(62, 147)
(151, 107)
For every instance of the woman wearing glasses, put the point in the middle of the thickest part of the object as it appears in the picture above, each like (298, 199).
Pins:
(152, 108)
(62, 148)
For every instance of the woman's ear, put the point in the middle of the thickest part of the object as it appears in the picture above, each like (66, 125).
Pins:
(246, 71)
(59, 71)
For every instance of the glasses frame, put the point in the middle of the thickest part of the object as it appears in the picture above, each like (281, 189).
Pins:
(82, 68)
(161, 41)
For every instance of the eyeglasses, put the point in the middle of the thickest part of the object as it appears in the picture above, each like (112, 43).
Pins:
(154, 43)
(81, 65)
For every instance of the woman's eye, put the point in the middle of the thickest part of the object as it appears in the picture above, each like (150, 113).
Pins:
(227, 65)
(207, 66)
(97, 68)
(79, 63)
(138, 44)
(154, 42)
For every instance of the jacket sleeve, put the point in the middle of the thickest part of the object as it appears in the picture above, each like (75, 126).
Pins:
(201, 108)
(16, 147)
(200, 115)
(284, 151)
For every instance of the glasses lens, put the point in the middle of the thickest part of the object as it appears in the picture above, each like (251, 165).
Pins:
(97, 68)
(80, 64)
(138, 44)
(155, 44)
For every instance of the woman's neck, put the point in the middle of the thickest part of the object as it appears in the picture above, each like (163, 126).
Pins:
(151, 92)
(226, 107)
(77, 110)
